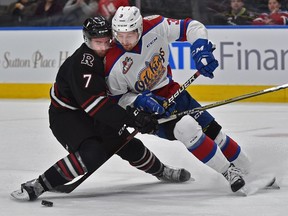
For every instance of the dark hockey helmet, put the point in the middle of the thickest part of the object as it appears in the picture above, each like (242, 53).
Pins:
(96, 27)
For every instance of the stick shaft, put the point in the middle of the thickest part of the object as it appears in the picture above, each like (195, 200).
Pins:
(221, 103)
(183, 87)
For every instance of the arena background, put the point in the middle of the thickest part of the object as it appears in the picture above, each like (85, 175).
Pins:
(251, 58)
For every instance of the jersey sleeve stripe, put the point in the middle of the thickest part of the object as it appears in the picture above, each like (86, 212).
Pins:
(94, 104)
(88, 101)
(54, 97)
(183, 28)
(98, 107)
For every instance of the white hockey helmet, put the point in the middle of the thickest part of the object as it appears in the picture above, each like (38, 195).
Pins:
(127, 19)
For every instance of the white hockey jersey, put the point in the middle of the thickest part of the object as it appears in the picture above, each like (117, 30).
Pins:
(146, 67)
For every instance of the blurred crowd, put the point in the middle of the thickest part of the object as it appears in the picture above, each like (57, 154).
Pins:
(57, 12)
(253, 12)
(209, 12)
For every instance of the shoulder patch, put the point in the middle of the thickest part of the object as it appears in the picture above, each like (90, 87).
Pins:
(87, 59)
(127, 63)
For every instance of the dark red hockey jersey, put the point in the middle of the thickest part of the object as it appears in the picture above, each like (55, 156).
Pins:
(80, 84)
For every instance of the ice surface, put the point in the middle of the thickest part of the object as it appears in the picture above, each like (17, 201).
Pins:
(28, 148)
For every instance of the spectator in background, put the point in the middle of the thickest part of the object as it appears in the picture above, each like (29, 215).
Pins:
(275, 17)
(48, 8)
(21, 9)
(76, 11)
(238, 14)
(17, 7)
(285, 5)
(211, 12)
(47, 13)
(259, 6)
(107, 8)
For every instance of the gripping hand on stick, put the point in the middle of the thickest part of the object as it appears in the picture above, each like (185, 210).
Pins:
(201, 51)
(144, 122)
(146, 102)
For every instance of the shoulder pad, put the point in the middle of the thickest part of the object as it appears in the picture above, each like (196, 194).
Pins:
(152, 17)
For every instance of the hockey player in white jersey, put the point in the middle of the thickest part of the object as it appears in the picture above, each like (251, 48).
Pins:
(138, 75)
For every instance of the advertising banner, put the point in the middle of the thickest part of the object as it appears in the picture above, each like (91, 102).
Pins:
(34, 56)
(247, 56)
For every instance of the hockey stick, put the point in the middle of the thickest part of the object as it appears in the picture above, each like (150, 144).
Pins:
(223, 102)
(183, 87)
(68, 188)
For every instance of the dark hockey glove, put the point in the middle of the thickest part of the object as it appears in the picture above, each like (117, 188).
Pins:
(201, 51)
(144, 122)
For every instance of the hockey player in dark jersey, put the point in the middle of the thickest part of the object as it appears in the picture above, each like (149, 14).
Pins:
(89, 124)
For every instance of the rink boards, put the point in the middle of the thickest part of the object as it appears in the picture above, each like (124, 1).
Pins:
(250, 59)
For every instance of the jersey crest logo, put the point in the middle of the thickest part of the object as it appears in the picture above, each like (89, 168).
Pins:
(87, 59)
(127, 63)
(152, 73)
